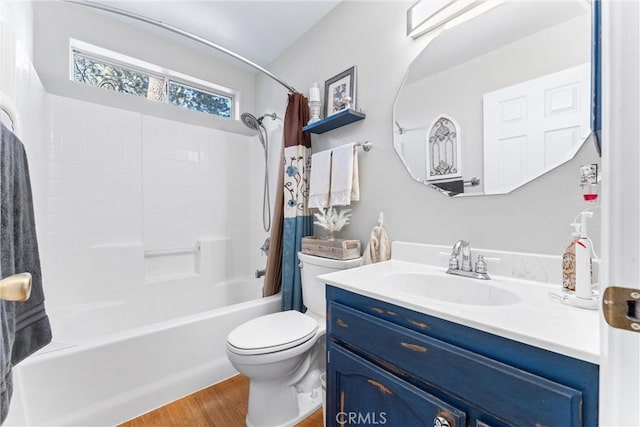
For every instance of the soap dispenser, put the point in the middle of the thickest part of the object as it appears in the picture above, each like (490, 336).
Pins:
(583, 260)
(569, 265)
(583, 296)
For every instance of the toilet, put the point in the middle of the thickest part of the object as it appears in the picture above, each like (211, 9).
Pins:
(283, 354)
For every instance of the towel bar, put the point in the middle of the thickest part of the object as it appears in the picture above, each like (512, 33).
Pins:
(366, 145)
(172, 251)
(9, 107)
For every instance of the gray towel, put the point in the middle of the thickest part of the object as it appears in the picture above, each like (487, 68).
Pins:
(25, 326)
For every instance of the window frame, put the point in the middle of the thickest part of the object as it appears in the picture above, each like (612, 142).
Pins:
(128, 63)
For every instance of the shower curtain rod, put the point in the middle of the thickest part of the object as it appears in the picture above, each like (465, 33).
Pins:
(182, 33)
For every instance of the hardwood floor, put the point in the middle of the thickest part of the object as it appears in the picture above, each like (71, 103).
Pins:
(223, 405)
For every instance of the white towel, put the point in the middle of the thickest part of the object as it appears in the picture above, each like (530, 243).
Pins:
(345, 186)
(319, 179)
(379, 248)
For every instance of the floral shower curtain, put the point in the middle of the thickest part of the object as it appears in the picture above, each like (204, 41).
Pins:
(298, 221)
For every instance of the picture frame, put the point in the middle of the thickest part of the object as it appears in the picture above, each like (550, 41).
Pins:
(337, 91)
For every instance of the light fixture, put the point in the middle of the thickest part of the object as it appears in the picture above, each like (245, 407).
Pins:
(426, 16)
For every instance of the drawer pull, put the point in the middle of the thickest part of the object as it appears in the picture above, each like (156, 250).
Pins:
(391, 313)
(414, 347)
(342, 323)
(377, 310)
(383, 389)
(419, 324)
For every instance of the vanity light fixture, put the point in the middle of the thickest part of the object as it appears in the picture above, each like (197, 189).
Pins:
(426, 16)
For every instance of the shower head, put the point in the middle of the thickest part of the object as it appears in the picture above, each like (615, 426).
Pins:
(252, 122)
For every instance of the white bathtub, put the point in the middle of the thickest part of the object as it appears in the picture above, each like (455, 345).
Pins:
(112, 361)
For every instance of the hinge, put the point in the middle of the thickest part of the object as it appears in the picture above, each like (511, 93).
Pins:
(621, 308)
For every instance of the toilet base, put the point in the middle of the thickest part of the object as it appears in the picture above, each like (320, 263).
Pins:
(307, 403)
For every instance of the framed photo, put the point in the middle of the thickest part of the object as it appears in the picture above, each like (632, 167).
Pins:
(340, 92)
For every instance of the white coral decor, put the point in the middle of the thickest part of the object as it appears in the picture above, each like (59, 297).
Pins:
(332, 220)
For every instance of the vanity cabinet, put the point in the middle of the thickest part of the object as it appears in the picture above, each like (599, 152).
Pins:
(387, 365)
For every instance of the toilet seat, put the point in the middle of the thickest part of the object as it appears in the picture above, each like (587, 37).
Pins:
(272, 333)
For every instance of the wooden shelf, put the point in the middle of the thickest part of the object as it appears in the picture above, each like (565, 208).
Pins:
(334, 121)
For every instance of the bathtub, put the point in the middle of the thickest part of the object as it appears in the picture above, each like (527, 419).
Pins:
(111, 361)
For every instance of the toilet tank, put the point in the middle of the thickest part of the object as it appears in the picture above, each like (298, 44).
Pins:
(313, 290)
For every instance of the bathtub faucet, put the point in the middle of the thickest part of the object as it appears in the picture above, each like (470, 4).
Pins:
(260, 273)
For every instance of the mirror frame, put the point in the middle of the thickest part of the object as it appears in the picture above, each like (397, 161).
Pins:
(596, 74)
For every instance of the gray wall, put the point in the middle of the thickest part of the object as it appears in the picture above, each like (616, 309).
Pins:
(371, 35)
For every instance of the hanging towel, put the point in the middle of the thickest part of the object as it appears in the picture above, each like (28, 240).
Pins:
(345, 186)
(319, 178)
(379, 248)
(25, 326)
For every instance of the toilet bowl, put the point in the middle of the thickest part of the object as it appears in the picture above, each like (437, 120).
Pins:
(284, 354)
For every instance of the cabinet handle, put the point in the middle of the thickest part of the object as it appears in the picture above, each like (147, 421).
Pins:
(414, 347)
(377, 310)
(342, 323)
(383, 389)
(419, 324)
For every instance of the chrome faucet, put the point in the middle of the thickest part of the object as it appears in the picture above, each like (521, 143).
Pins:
(460, 262)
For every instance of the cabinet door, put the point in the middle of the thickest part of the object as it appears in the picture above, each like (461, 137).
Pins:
(360, 393)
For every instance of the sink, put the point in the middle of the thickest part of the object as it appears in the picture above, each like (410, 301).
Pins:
(451, 289)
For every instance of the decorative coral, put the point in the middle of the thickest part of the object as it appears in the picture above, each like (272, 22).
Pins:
(332, 220)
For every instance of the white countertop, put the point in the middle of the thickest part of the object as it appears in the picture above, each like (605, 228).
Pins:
(536, 319)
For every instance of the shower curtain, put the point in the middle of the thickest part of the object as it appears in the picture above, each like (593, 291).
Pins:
(297, 221)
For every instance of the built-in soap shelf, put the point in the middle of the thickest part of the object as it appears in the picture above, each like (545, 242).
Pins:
(334, 121)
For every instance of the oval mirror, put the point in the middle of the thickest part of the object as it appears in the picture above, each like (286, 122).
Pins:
(495, 102)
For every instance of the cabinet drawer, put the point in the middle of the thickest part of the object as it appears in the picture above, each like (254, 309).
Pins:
(510, 394)
(367, 395)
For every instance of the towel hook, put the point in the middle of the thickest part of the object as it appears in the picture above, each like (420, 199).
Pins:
(381, 219)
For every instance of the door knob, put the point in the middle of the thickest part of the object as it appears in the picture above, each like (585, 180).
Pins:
(16, 287)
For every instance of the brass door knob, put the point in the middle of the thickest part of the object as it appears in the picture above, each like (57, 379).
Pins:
(16, 287)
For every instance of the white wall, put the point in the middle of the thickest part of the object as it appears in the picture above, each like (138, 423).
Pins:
(22, 86)
(371, 35)
(56, 23)
(114, 175)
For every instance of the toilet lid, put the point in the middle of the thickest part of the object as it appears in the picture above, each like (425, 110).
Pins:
(273, 332)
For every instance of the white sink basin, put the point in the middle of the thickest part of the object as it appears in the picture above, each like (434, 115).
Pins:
(449, 288)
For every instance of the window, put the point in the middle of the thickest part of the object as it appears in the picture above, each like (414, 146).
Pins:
(128, 75)
(196, 99)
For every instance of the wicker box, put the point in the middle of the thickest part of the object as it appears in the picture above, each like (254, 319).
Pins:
(335, 249)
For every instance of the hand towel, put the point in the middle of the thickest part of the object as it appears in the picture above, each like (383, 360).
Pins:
(345, 185)
(24, 325)
(379, 248)
(320, 179)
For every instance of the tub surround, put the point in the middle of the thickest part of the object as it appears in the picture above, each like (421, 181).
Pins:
(536, 319)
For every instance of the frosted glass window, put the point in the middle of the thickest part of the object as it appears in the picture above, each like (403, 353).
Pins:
(98, 72)
(200, 100)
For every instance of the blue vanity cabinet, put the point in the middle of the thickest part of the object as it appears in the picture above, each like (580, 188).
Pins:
(387, 359)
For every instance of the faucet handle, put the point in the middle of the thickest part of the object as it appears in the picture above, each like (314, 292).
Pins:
(453, 263)
(481, 265)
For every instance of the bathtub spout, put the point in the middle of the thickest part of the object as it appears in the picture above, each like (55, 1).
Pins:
(260, 273)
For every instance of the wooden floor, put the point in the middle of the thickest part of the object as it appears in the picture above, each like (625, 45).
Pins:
(224, 405)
